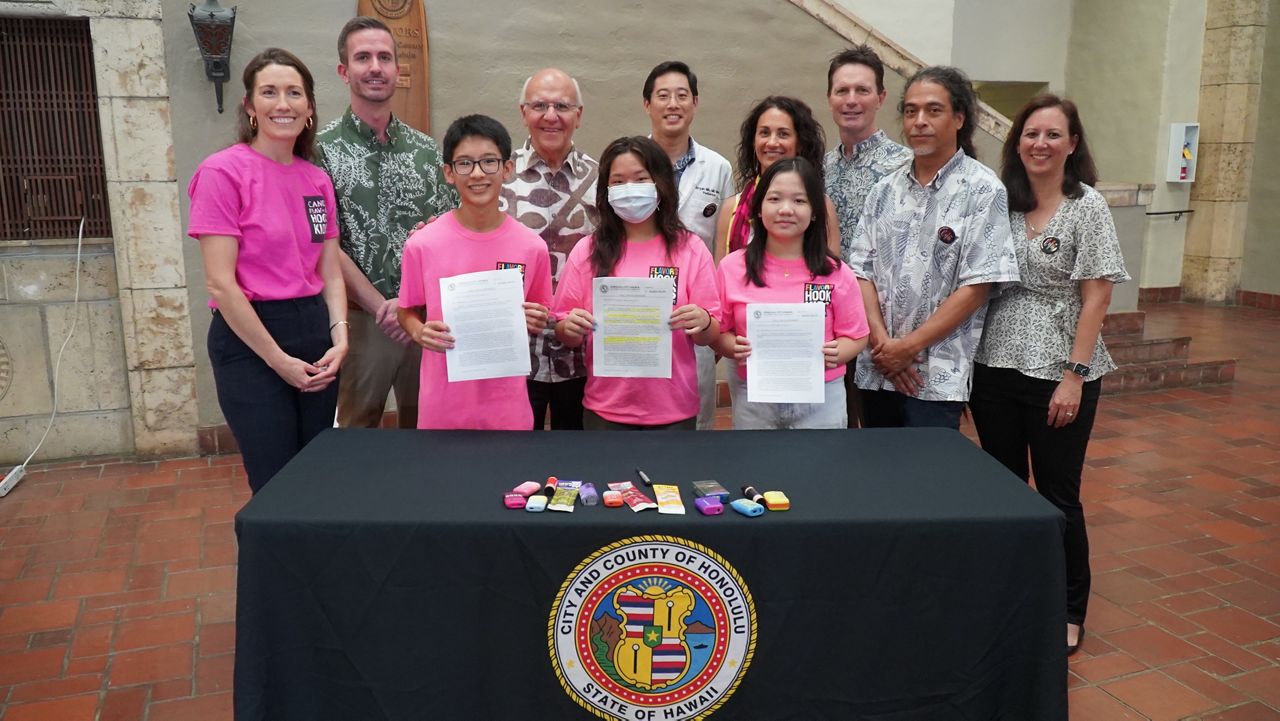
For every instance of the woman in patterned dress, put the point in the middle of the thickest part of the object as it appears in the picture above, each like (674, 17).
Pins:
(1039, 366)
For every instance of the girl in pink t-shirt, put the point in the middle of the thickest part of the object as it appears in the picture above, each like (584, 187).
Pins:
(787, 261)
(640, 235)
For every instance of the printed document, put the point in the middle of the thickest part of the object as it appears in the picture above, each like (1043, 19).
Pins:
(786, 363)
(485, 315)
(632, 338)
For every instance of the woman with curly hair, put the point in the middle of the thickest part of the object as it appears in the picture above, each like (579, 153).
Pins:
(777, 127)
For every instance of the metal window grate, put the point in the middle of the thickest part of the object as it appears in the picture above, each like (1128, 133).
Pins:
(51, 169)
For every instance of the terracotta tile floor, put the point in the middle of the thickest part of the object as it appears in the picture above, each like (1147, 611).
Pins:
(117, 577)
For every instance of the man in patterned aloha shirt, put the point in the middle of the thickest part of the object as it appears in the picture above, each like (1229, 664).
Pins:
(387, 178)
(554, 194)
(855, 92)
(932, 245)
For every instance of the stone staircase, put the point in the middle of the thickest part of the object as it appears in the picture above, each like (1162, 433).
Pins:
(1148, 364)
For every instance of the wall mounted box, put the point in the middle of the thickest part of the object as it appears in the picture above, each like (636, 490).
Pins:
(1184, 152)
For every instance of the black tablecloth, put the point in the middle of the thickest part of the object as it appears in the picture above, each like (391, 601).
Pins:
(914, 578)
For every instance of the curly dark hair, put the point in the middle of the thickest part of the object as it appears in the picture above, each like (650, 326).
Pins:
(811, 141)
(610, 236)
(1078, 172)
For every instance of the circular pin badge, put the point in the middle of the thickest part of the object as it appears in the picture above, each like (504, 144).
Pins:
(709, 211)
(1050, 245)
(946, 235)
(656, 625)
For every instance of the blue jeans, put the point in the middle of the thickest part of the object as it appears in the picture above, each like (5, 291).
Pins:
(891, 409)
(748, 416)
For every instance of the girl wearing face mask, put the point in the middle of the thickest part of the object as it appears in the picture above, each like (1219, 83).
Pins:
(640, 236)
(788, 261)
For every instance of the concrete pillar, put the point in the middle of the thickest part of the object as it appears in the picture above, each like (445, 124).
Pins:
(133, 94)
(1230, 80)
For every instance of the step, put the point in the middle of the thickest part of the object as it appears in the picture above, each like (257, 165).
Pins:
(1138, 377)
(1127, 348)
(1126, 323)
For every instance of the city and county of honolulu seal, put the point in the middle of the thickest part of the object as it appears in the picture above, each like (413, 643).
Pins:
(652, 628)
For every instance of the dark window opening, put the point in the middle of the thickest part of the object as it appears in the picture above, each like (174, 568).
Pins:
(51, 170)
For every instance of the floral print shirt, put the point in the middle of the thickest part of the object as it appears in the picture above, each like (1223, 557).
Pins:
(558, 204)
(383, 191)
(1032, 325)
(849, 179)
(918, 244)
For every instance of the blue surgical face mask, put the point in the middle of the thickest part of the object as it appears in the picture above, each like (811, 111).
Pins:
(634, 202)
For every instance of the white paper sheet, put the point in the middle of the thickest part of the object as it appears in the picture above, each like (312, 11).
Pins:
(485, 315)
(786, 363)
(632, 338)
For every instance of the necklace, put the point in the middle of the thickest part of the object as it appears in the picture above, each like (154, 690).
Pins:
(1026, 218)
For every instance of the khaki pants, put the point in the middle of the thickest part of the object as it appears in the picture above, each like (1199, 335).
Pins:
(374, 366)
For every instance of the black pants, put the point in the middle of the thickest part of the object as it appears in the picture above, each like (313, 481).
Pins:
(270, 419)
(891, 409)
(593, 421)
(563, 398)
(1010, 412)
(853, 399)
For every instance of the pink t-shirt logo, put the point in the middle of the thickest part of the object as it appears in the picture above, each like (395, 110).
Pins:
(818, 293)
(317, 215)
(668, 271)
(503, 265)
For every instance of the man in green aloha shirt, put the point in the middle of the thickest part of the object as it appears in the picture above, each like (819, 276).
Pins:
(387, 178)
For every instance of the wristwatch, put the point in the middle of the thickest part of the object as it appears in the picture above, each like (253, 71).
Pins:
(1079, 369)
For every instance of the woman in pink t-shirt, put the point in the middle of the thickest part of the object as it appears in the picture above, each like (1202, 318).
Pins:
(266, 221)
(788, 261)
(640, 236)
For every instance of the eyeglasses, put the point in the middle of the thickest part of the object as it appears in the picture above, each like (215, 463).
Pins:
(681, 96)
(542, 106)
(488, 166)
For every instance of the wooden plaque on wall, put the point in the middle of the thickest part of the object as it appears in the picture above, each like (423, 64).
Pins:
(408, 22)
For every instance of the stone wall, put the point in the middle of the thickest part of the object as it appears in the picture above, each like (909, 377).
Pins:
(35, 317)
(128, 376)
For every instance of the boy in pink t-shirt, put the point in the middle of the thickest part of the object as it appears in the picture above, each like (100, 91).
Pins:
(475, 237)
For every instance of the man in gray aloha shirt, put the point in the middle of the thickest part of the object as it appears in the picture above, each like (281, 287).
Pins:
(553, 193)
(932, 245)
(387, 178)
(855, 92)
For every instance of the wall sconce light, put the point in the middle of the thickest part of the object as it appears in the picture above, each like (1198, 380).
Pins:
(214, 25)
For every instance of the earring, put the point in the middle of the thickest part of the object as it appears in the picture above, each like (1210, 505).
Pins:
(311, 122)
(253, 123)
